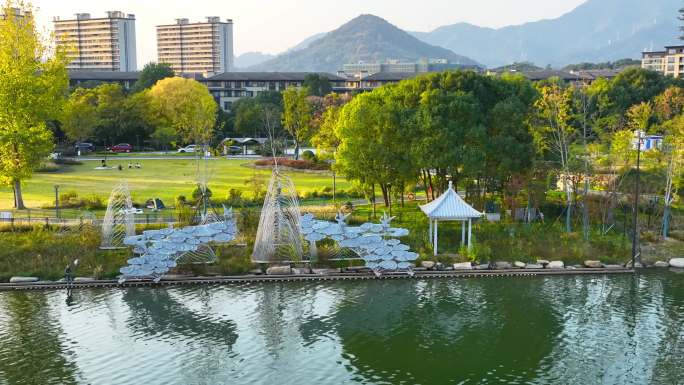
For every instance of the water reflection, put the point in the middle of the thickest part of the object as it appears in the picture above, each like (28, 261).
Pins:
(154, 314)
(417, 332)
(32, 350)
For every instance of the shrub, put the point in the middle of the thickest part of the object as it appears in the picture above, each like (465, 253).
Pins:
(197, 193)
(309, 155)
(301, 164)
(234, 197)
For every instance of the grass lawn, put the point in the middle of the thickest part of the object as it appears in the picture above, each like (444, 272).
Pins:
(165, 179)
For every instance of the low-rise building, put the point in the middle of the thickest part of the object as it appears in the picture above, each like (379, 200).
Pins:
(363, 69)
(228, 87)
(668, 62)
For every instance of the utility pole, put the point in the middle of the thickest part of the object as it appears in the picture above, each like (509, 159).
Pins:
(635, 237)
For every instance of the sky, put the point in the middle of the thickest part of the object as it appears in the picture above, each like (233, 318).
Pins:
(273, 26)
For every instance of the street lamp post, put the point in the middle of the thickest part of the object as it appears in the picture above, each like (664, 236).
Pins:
(57, 201)
(635, 237)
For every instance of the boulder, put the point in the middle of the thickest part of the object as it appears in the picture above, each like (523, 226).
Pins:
(279, 270)
(614, 267)
(519, 265)
(555, 265)
(325, 271)
(661, 264)
(482, 267)
(463, 266)
(677, 262)
(256, 272)
(542, 262)
(84, 279)
(593, 264)
(301, 271)
(428, 264)
(502, 265)
(23, 279)
(534, 266)
(571, 268)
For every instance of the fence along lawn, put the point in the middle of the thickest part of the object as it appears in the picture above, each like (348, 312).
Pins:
(164, 179)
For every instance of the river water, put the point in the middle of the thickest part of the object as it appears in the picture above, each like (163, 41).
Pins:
(535, 330)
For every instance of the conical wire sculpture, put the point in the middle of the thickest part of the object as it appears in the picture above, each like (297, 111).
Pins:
(119, 221)
(278, 238)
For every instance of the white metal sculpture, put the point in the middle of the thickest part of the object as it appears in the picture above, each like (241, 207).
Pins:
(279, 238)
(372, 242)
(162, 250)
(119, 221)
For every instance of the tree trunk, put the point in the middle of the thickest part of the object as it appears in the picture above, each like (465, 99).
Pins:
(385, 193)
(373, 198)
(568, 211)
(432, 186)
(18, 199)
(296, 154)
(403, 188)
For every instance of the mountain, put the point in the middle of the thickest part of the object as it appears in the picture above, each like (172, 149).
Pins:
(365, 38)
(248, 59)
(595, 31)
(307, 42)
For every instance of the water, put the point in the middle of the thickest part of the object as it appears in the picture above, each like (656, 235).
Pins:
(550, 330)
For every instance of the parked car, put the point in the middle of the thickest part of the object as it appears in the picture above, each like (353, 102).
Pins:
(84, 147)
(234, 150)
(190, 148)
(121, 147)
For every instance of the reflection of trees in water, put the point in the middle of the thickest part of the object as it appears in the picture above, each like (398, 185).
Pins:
(154, 313)
(31, 347)
(446, 331)
(668, 361)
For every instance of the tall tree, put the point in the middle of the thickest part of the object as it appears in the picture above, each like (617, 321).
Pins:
(80, 118)
(555, 134)
(187, 106)
(317, 84)
(33, 86)
(151, 74)
(297, 116)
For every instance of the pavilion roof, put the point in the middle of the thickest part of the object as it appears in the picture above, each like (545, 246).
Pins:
(450, 206)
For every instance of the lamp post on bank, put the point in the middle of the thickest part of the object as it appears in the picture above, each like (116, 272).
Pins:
(57, 201)
(635, 237)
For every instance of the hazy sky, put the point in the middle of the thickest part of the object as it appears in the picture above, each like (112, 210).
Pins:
(274, 25)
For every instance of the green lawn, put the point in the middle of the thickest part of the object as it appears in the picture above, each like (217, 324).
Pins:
(165, 179)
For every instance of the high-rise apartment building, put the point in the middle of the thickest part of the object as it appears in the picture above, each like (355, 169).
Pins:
(204, 47)
(667, 62)
(99, 44)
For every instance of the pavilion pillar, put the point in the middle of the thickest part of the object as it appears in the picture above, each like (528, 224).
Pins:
(463, 239)
(435, 239)
(470, 233)
(430, 229)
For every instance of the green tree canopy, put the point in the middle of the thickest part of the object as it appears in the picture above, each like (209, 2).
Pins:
(151, 74)
(297, 116)
(187, 106)
(33, 86)
(317, 85)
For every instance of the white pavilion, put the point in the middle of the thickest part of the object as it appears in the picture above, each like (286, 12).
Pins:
(450, 207)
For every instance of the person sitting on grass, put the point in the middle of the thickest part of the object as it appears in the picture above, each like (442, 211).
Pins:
(120, 168)
(137, 165)
(130, 165)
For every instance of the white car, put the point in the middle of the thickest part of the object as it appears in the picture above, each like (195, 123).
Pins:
(191, 148)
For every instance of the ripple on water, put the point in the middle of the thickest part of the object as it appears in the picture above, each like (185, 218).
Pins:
(589, 330)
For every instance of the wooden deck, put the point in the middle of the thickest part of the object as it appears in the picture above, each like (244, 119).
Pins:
(249, 279)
